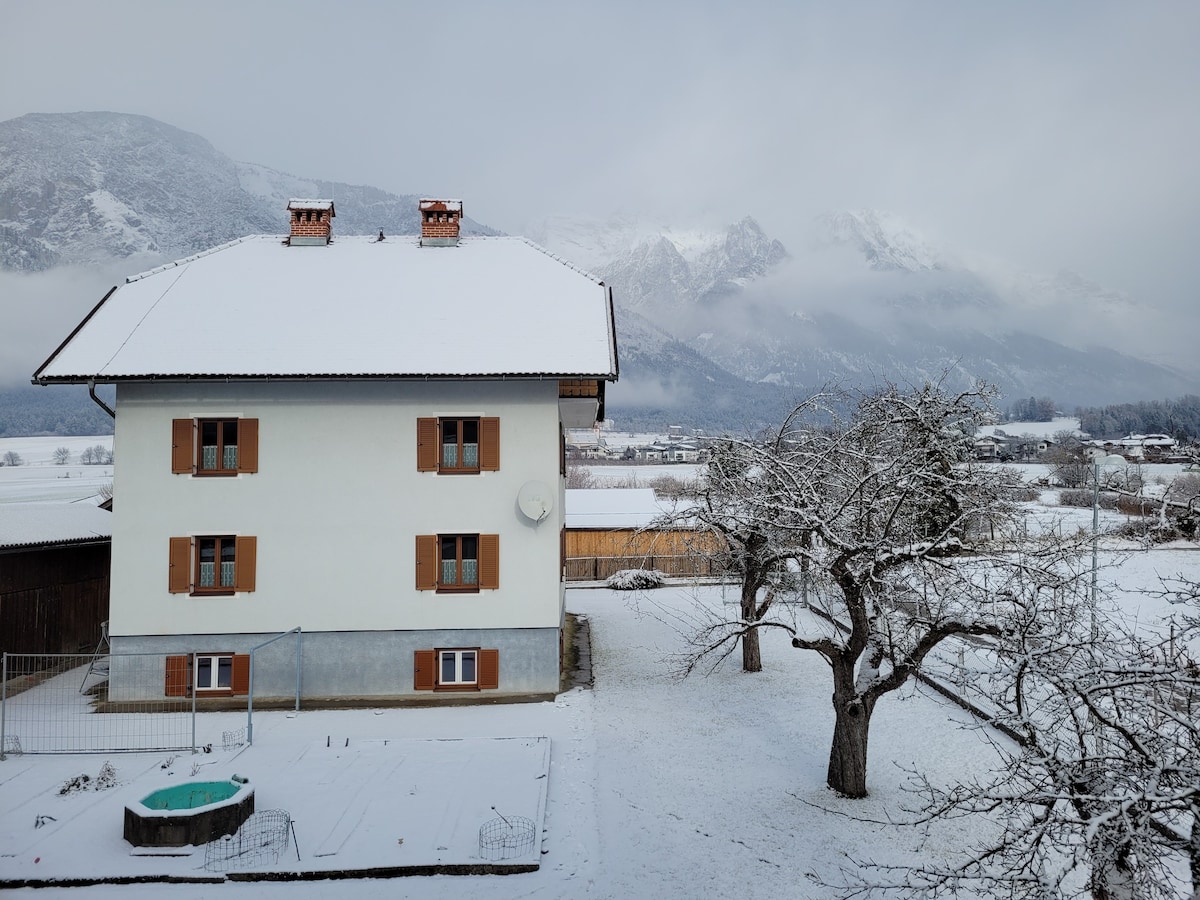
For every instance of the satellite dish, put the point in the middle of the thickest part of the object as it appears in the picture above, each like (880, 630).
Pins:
(535, 500)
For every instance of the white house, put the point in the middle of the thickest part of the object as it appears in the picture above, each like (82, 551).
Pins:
(358, 437)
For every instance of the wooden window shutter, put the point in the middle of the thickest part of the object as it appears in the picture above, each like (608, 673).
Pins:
(179, 577)
(245, 562)
(247, 453)
(427, 445)
(427, 548)
(489, 561)
(239, 681)
(178, 676)
(424, 670)
(183, 451)
(489, 444)
(489, 669)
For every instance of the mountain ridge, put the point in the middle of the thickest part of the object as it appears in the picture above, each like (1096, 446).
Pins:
(719, 327)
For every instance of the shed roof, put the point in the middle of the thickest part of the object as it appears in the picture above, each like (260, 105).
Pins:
(610, 508)
(358, 307)
(35, 524)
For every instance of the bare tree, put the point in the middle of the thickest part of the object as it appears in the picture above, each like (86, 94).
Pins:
(875, 496)
(12, 458)
(1100, 796)
(62, 456)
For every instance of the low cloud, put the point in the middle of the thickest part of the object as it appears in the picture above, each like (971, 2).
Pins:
(41, 309)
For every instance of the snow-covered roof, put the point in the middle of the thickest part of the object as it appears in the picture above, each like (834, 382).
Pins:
(34, 524)
(612, 507)
(357, 307)
(299, 203)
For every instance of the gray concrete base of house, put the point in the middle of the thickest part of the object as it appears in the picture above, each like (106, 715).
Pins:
(366, 667)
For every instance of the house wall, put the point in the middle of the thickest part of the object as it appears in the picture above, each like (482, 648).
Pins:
(336, 505)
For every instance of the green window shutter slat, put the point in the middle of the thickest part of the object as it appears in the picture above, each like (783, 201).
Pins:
(427, 445)
(427, 573)
(245, 563)
(489, 444)
(489, 669)
(424, 670)
(247, 452)
(489, 561)
(179, 576)
(182, 445)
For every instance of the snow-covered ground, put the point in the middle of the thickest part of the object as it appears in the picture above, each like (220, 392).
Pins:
(657, 787)
(40, 479)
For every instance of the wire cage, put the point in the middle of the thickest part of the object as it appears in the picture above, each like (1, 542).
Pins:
(231, 740)
(259, 842)
(506, 837)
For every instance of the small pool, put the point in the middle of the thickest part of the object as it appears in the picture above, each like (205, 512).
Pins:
(194, 812)
(191, 795)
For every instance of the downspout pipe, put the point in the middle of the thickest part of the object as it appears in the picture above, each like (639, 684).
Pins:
(104, 406)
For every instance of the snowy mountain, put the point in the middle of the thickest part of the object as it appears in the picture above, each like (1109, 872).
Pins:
(94, 186)
(719, 328)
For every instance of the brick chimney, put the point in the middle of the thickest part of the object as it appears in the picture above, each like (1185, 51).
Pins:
(439, 222)
(311, 222)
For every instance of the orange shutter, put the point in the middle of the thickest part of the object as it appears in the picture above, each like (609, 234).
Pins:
(245, 561)
(424, 670)
(179, 576)
(489, 561)
(427, 445)
(489, 444)
(178, 680)
(247, 454)
(239, 681)
(489, 669)
(427, 562)
(182, 445)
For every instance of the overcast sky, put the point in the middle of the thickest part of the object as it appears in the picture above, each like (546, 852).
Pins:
(1050, 135)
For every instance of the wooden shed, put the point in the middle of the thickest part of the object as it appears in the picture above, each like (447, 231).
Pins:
(54, 576)
(610, 529)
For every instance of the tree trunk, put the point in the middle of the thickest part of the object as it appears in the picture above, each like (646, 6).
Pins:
(852, 721)
(751, 657)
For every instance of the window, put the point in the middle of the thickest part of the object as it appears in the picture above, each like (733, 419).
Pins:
(458, 445)
(214, 446)
(458, 558)
(457, 669)
(213, 674)
(458, 563)
(217, 564)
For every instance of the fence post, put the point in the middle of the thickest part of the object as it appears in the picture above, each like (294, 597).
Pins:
(3, 703)
(192, 691)
(299, 656)
(250, 703)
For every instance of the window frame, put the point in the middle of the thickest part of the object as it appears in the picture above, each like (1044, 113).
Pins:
(221, 425)
(459, 586)
(458, 655)
(460, 423)
(214, 661)
(221, 543)
(427, 669)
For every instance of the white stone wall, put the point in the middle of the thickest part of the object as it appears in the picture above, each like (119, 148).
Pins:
(335, 505)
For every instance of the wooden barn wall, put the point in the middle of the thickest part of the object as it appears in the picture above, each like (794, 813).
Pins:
(595, 555)
(53, 600)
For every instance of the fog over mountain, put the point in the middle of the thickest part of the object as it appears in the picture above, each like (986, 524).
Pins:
(718, 327)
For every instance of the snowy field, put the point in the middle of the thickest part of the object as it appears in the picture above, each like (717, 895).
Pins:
(40, 479)
(656, 787)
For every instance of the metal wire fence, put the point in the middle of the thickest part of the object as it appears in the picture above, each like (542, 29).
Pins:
(61, 703)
